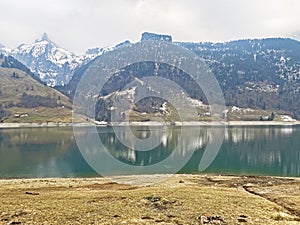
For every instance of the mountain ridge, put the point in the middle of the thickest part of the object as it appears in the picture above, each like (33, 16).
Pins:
(56, 67)
(257, 73)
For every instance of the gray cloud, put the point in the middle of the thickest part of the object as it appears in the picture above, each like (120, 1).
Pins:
(79, 24)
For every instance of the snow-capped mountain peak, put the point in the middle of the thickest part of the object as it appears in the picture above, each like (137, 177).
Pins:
(51, 63)
(45, 37)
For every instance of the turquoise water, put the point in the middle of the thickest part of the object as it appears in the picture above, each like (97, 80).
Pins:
(53, 152)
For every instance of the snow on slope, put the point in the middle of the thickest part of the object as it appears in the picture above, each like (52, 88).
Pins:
(4, 50)
(53, 64)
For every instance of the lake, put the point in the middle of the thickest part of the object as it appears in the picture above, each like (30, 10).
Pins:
(246, 150)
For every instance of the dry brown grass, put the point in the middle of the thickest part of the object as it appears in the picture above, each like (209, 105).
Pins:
(103, 201)
(41, 115)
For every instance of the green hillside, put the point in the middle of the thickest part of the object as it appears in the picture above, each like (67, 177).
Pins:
(24, 99)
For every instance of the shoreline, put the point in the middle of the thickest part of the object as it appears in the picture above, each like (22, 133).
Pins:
(136, 179)
(34, 125)
(192, 123)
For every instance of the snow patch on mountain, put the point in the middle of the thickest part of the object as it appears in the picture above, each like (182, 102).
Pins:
(4, 50)
(262, 87)
(287, 118)
(53, 64)
(240, 110)
(92, 53)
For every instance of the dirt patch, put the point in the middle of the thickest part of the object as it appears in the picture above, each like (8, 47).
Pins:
(109, 186)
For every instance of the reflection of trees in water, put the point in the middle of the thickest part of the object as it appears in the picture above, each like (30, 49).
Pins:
(33, 147)
(244, 134)
(4, 139)
(42, 136)
(269, 150)
(264, 148)
(170, 138)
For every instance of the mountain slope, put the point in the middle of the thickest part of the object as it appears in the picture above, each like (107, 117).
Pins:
(260, 74)
(256, 73)
(23, 98)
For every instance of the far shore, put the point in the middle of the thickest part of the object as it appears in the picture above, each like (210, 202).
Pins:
(33, 125)
(151, 123)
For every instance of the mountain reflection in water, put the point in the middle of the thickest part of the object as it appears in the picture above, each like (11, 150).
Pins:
(53, 152)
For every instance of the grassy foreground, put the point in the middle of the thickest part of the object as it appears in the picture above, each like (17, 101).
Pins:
(180, 199)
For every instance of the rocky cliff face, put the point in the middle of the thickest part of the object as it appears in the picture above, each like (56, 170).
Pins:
(156, 37)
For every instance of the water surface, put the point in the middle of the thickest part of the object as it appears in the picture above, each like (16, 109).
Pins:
(53, 152)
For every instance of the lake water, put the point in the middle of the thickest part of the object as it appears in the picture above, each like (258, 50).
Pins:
(53, 152)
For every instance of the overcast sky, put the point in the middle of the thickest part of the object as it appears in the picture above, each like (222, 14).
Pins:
(80, 24)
